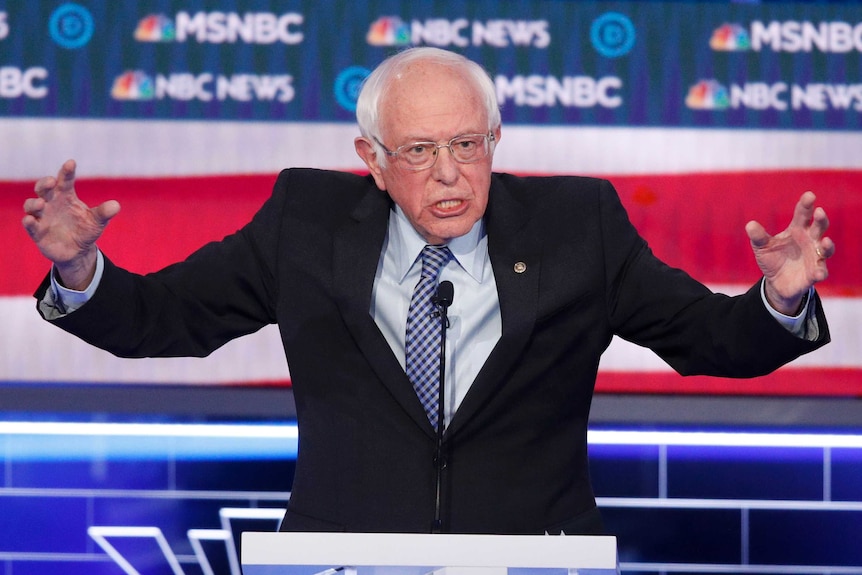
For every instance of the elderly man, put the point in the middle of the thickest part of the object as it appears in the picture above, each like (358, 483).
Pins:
(545, 271)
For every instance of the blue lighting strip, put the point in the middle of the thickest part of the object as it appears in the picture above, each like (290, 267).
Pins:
(725, 439)
(75, 440)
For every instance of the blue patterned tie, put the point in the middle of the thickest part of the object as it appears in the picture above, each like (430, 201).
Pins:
(422, 353)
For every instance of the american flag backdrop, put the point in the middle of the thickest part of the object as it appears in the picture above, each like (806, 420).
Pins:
(701, 119)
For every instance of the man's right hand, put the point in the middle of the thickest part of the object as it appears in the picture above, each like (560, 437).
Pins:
(64, 228)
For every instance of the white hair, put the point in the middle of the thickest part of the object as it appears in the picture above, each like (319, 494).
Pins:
(376, 84)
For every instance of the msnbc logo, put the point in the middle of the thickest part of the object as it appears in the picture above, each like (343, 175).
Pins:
(133, 85)
(791, 36)
(155, 28)
(388, 31)
(222, 27)
(730, 38)
(707, 95)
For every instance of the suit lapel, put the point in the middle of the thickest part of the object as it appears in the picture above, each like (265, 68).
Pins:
(516, 260)
(357, 247)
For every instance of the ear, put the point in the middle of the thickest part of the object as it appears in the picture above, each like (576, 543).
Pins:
(366, 151)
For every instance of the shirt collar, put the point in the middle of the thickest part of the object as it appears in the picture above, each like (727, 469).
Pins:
(469, 250)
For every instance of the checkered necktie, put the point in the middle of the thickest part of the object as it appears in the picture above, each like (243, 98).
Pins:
(423, 332)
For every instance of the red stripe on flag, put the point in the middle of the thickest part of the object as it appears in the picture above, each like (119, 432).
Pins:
(788, 381)
(693, 221)
(697, 221)
(161, 221)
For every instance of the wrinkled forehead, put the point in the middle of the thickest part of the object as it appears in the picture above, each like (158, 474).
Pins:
(421, 89)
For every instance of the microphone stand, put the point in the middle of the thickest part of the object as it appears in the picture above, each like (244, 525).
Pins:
(442, 299)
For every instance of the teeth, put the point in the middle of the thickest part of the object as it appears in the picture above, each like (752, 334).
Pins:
(448, 204)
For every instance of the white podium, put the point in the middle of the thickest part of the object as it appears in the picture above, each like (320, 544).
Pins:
(421, 554)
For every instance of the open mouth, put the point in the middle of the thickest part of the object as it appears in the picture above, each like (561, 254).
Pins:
(447, 205)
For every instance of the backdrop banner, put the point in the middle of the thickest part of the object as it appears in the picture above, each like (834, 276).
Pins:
(703, 115)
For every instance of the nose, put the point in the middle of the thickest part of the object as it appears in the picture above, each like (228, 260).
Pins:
(445, 168)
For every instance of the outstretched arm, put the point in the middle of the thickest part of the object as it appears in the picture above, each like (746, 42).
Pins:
(793, 260)
(64, 228)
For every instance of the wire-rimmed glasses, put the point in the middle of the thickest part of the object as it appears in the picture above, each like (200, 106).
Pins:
(465, 149)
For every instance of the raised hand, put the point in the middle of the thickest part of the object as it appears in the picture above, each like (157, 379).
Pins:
(793, 260)
(64, 228)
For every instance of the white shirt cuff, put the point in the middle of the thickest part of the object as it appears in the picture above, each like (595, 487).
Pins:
(804, 324)
(65, 300)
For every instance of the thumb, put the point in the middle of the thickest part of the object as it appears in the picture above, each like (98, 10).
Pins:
(105, 211)
(756, 234)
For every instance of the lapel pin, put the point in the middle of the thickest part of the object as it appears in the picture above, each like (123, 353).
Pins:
(520, 267)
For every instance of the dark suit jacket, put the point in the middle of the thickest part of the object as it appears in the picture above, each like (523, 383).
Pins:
(516, 452)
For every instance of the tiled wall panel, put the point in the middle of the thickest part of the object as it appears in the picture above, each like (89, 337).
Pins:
(253, 475)
(625, 470)
(846, 475)
(681, 535)
(99, 473)
(745, 473)
(806, 537)
(43, 523)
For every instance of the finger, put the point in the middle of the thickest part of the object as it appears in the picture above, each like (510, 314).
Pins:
(804, 210)
(34, 206)
(827, 248)
(105, 211)
(821, 271)
(66, 176)
(756, 234)
(45, 185)
(819, 223)
(30, 224)
(32, 213)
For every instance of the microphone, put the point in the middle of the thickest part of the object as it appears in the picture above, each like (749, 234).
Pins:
(444, 296)
(442, 299)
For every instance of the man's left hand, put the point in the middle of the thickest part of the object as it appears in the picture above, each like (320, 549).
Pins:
(794, 260)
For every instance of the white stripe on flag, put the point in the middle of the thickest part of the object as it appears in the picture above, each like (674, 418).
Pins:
(164, 149)
(33, 350)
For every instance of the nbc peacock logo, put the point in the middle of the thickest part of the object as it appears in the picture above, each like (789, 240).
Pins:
(707, 95)
(133, 85)
(155, 28)
(730, 38)
(388, 31)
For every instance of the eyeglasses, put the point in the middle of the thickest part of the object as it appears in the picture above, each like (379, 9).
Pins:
(465, 149)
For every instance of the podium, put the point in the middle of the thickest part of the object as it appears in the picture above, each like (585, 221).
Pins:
(424, 554)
